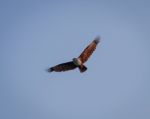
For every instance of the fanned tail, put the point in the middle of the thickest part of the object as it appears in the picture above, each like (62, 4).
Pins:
(82, 68)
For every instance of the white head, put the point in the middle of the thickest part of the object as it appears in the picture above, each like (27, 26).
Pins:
(77, 61)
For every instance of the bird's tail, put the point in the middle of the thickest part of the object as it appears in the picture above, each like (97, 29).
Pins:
(82, 68)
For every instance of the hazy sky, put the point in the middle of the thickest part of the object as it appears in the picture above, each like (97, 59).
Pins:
(35, 35)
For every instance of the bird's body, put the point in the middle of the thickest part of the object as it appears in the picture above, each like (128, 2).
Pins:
(77, 62)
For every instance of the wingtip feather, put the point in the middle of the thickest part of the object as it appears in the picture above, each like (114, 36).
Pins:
(50, 69)
(97, 40)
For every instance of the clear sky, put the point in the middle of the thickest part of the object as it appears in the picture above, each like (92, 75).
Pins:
(35, 35)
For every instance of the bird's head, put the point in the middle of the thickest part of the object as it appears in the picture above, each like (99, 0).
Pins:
(77, 61)
(74, 60)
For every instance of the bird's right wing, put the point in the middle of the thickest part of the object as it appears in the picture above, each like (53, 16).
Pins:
(89, 50)
(63, 67)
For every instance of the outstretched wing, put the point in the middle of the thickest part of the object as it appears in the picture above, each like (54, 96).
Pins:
(63, 67)
(89, 50)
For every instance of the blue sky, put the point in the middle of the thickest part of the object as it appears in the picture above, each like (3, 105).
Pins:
(35, 35)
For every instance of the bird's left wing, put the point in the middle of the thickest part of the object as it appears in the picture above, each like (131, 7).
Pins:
(63, 67)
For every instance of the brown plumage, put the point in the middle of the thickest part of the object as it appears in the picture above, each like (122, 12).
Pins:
(77, 62)
(88, 50)
(63, 67)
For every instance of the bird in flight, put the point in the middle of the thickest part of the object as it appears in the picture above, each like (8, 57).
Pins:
(77, 62)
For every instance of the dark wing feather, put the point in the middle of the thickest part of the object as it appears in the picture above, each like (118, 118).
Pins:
(89, 50)
(63, 67)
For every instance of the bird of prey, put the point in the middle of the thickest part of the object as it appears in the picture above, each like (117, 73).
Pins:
(77, 62)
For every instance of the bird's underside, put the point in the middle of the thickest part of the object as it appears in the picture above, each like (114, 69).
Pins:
(77, 62)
